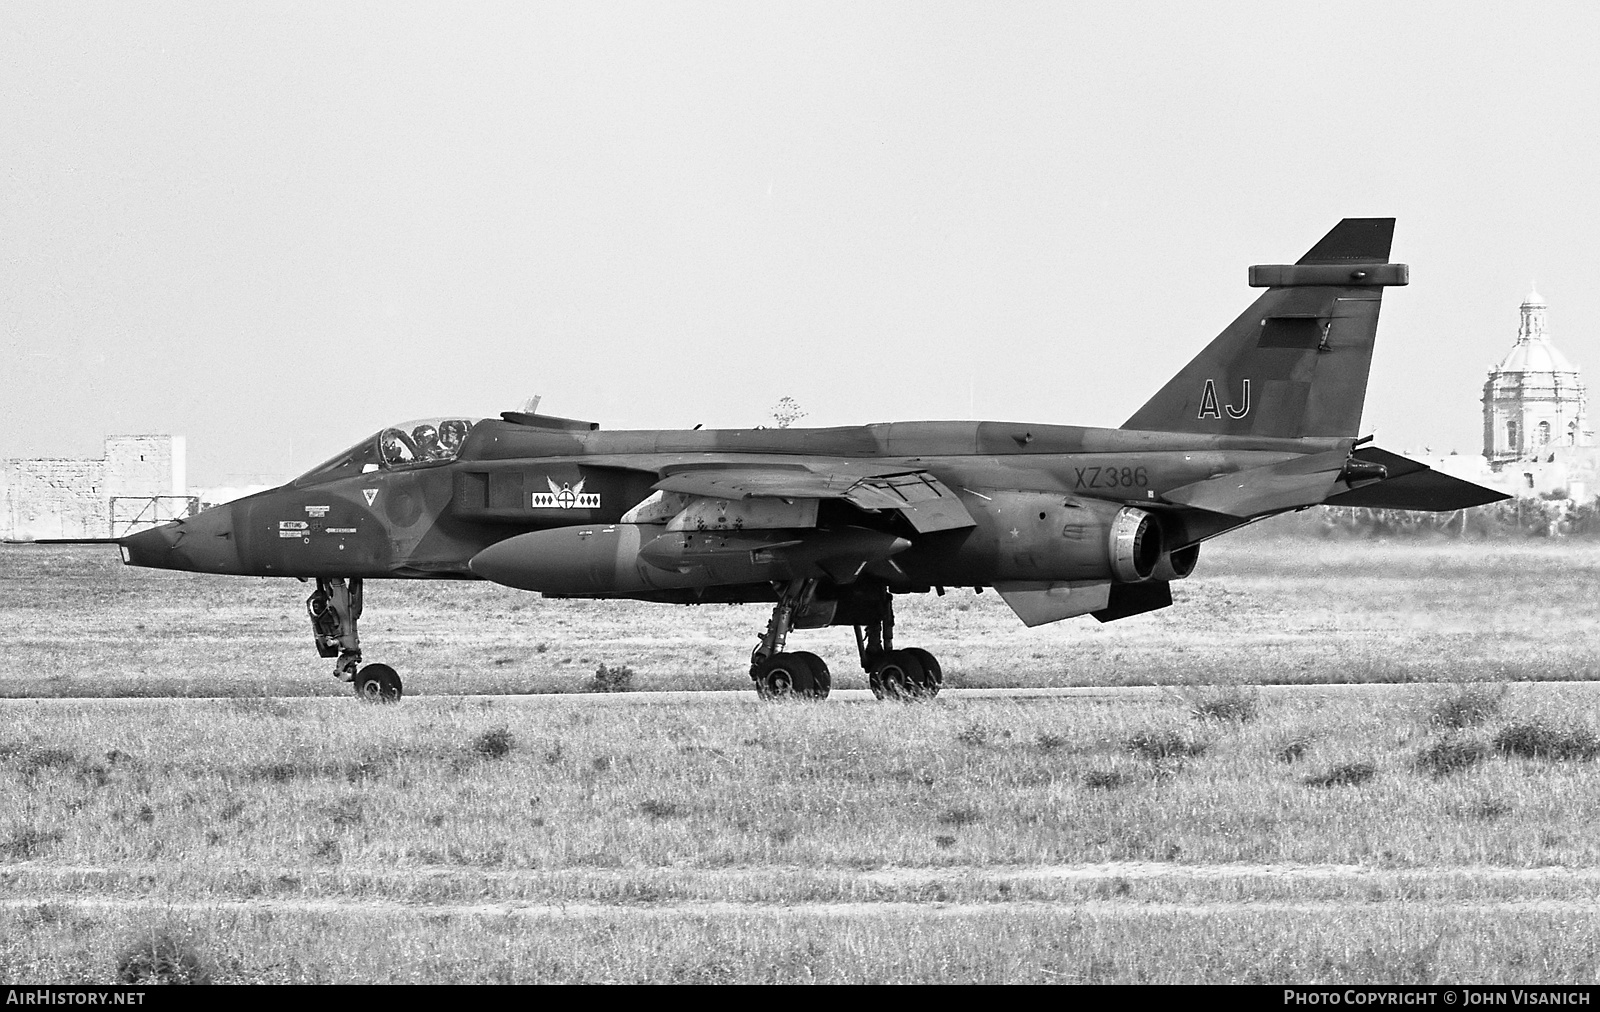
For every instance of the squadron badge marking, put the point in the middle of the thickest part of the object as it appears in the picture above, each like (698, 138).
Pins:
(564, 496)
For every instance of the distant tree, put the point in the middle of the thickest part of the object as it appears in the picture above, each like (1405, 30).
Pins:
(1515, 518)
(787, 412)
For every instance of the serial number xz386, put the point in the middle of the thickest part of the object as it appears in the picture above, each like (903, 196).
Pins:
(1110, 477)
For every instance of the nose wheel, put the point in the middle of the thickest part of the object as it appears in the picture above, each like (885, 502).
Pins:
(378, 683)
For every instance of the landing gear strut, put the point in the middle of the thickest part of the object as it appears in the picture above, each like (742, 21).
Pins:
(777, 673)
(335, 607)
(909, 673)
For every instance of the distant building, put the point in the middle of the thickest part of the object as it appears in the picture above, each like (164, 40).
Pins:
(1537, 438)
(1534, 401)
(139, 482)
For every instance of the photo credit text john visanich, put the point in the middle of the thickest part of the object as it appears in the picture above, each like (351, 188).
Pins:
(1437, 996)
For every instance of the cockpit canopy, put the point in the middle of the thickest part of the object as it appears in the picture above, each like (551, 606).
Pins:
(411, 444)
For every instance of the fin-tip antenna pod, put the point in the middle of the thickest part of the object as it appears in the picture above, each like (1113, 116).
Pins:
(1354, 240)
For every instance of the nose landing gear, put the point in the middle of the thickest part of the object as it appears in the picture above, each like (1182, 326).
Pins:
(335, 607)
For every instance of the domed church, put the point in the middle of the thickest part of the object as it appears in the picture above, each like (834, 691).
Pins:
(1533, 403)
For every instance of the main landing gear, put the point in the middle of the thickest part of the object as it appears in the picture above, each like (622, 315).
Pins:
(334, 607)
(909, 673)
(778, 674)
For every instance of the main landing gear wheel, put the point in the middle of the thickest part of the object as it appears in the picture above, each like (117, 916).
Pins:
(897, 676)
(378, 683)
(821, 677)
(800, 675)
(780, 674)
(911, 673)
(932, 674)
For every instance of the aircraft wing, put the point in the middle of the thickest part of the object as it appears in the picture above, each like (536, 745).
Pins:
(921, 497)
(1366, 477)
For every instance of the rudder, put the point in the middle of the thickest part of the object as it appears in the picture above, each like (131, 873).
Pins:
(1296, 362)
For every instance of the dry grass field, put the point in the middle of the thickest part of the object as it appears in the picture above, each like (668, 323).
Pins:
(1299, 835)
(1210, 831)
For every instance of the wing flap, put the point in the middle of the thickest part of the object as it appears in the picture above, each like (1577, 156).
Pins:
(923, 499)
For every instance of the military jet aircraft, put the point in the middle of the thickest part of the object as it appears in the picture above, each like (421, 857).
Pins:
(828, 525)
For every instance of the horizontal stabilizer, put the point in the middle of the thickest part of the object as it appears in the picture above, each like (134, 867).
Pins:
(1367, 477)
(1413, 486)
(62, 541)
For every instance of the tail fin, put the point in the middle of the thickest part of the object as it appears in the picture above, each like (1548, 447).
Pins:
(1296, 363)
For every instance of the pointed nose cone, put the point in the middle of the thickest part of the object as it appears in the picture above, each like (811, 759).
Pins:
(152, 548)
(201, 544)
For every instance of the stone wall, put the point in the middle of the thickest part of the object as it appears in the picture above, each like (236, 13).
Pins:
(54, 498)
(63, 498)
(144, 465)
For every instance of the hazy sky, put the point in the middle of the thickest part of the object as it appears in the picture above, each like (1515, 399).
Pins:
(275, 228)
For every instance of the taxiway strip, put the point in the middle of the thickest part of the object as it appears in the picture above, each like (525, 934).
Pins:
(635, 697)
